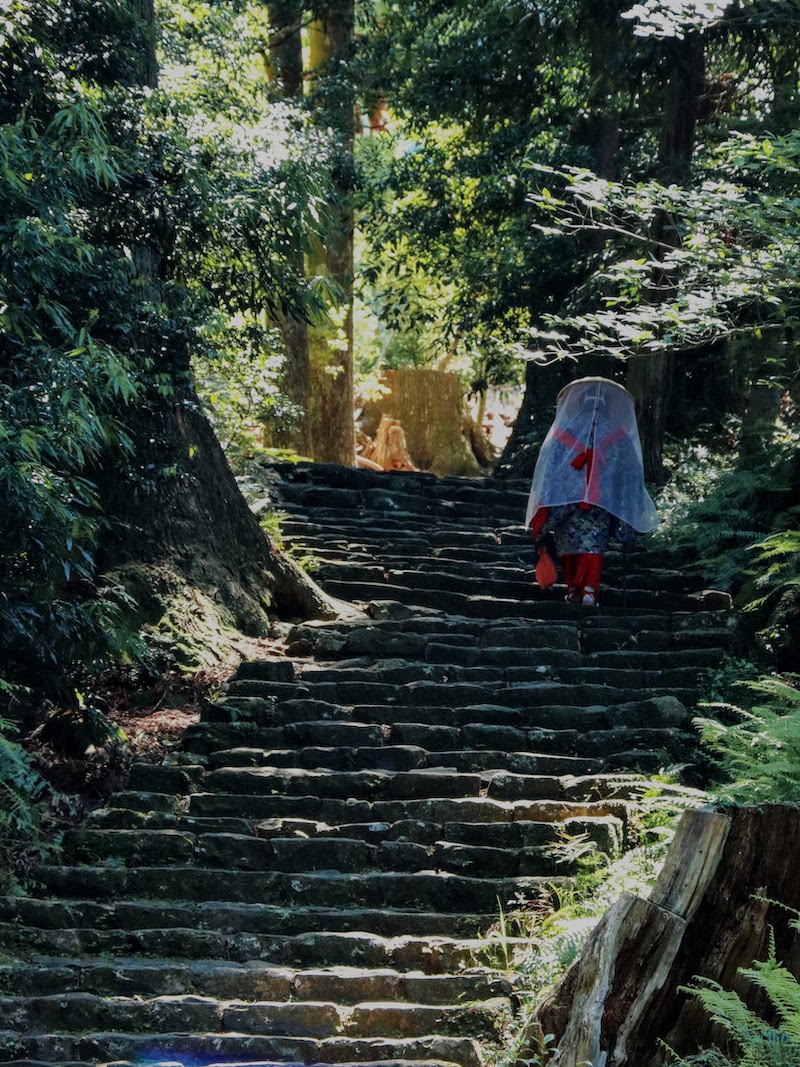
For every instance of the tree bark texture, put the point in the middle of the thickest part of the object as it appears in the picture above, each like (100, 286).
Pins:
(286, 46)
(429, 405)
(764, 399)
(286, 72)
(542, 385)
(707, 915)
(144, 50)
(331, 342)
(180, 508)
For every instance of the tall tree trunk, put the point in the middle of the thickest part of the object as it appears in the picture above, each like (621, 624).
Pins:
(331, 342)
(286, 69)
(650, 377)
(173, 505)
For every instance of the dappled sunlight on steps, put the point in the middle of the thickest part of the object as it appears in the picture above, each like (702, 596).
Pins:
(309, 881)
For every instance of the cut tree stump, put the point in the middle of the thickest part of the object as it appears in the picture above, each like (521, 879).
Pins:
(709, 914)
(388, 452)
(440, 434)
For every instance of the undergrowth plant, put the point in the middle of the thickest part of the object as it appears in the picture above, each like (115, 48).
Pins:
(23, 800)
(756, 749)
(752, 1041)
(732, 519)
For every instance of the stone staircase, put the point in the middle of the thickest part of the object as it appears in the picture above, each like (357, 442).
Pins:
(311, 880)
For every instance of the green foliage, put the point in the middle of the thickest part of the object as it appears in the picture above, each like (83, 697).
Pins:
(756, 749)
(781, 554)
(731, 269)
(717, 513)
(443, 197)
(63, 375)
(22, 793)
(247, 184)
(139, 228)
(80, 728)
(755, 1042)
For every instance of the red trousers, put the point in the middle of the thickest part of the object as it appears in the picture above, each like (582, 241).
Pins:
(582, 569)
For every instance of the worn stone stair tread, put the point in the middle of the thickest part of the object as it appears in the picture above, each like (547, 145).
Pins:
(408, 757)
(92, 1047)
(253, 979)
(425, 889)
(232, 917)
(436, 955)
(69, 1013)
(526, 694)
(469, 809)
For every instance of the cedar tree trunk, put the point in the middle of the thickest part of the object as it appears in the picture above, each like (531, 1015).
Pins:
(286, 70)
(429, 406)
(331, 342)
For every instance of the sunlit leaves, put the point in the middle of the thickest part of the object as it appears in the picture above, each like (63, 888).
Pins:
(60, 293)
(731, 265)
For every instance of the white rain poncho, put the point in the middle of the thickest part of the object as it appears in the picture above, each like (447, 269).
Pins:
(592, 455)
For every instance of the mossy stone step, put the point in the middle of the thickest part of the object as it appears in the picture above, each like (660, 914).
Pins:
(231, 918)
(280, 704)
(145, 1049)
(464, 809)
(440, 783)
(300, 854)
(253, 980)
(359, 949)
(422, 891)
(410, 757)
(606, 831)
(75, 1013)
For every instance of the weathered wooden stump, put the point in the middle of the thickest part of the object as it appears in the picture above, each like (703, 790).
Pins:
(710, 913)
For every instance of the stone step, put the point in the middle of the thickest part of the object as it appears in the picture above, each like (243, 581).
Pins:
(230, 918)
(440, 783)
(179, 1047)
(75, 1013)
(360, 949)
(600, 632)
(424, 891)
(506, 561)
(605, 829)
(279, 702)
(408, 757)
(565, 667)
(300, 854)
(254, 980)
(474, 726)
(438, 811)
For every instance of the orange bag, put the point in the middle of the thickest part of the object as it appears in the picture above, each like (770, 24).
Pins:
(546, 573)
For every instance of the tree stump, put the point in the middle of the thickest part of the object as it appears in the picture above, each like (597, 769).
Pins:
(388, 452)
(708, 915)
(439, 432)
